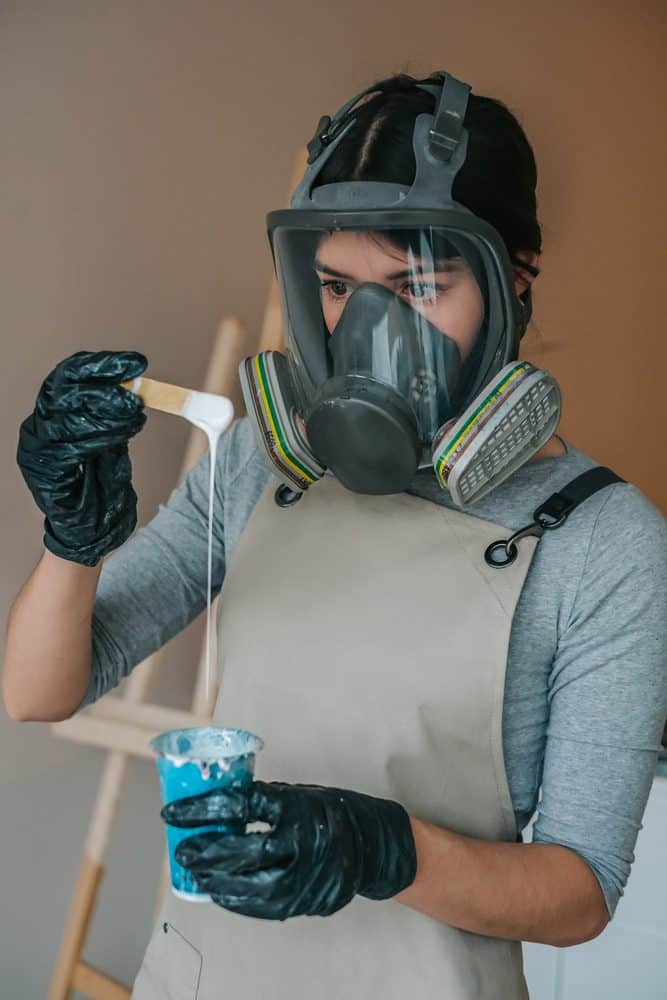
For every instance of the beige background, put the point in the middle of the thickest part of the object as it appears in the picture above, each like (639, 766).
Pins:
(142, 145)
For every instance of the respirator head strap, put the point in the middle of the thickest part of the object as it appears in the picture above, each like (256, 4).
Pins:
(447, 130)
(328, 127)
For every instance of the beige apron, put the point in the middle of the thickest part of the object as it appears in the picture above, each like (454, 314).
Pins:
(365, 639)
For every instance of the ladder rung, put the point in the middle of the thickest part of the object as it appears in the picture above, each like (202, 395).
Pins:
(142, 714)
(106, 733)
(142, 723)
(96, 985)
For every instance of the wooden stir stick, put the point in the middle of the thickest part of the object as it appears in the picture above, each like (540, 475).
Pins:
(200, 408)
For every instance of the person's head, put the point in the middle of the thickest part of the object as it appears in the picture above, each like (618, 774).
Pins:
(497, 182)
(402, 263)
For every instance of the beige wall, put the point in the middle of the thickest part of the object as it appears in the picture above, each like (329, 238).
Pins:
(142, 145)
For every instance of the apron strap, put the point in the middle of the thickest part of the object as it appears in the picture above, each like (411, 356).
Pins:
(552, 513)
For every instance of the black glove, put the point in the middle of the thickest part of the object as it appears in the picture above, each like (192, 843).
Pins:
(325, 846)
(73, 453)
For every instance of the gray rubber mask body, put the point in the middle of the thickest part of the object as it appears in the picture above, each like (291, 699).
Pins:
(390, 388)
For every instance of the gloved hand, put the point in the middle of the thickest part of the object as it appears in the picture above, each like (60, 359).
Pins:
(73, 453)
(325, 846)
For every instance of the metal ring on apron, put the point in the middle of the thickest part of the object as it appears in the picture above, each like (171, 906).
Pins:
(503, 553)
(286, 497)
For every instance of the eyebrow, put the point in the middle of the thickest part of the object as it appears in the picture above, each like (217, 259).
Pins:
(447, 265)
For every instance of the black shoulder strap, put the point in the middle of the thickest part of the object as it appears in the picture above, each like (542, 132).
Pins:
(561, 504)
(552, 513)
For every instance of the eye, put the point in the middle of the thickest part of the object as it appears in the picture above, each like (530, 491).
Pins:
(335, 289)
(422, 290)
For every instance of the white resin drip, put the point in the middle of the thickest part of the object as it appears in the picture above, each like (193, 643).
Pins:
(213, 437)
(213, 414)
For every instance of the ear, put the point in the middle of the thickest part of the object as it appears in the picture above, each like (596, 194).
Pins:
(523, 279)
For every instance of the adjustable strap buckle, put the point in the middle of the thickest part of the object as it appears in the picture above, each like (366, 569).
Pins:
(447, 129)
(552, 513)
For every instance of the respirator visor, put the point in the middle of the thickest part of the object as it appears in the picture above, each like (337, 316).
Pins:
(400, 315)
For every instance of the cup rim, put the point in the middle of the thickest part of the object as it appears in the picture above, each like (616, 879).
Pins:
(256, 743)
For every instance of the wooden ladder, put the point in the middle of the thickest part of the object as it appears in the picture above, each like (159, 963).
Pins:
(124, 725)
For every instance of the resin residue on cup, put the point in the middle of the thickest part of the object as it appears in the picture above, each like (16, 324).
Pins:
(206, 746)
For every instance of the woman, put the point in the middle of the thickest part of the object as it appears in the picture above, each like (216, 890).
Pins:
(414, 695)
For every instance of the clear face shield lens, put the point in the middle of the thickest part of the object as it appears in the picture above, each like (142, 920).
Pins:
(399, 314)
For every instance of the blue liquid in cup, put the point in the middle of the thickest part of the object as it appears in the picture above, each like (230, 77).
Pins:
(197, 760)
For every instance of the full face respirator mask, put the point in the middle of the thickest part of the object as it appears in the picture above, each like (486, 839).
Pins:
(402, 329)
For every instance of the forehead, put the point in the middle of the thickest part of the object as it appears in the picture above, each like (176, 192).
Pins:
(367, 242)
(346, 248)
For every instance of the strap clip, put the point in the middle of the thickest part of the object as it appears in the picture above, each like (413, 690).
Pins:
(320, 139)
(552, 513)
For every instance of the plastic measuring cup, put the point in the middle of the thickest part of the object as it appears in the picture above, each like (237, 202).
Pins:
(197, 760)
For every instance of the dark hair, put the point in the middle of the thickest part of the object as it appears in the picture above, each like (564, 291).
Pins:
(497, 180)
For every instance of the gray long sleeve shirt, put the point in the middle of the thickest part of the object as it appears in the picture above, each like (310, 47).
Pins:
(586, 683)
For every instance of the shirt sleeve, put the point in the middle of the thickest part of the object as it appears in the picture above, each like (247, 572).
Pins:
(608, 693)
(156, 583)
